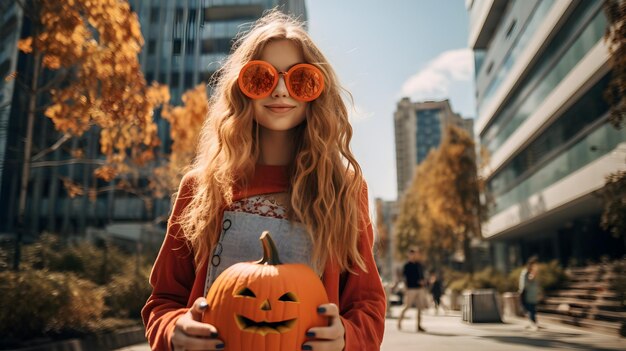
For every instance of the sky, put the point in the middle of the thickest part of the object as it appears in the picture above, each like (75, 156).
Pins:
(385, 50)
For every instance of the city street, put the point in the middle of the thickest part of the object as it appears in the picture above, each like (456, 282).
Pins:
(473, 151)
(448, 332)
(444, 333)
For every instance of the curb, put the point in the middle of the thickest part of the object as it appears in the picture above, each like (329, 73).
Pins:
(101, 342)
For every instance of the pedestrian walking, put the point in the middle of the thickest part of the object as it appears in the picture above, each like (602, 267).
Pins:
(435, 284)
(529, 291)
(274, 155)
(415, 282)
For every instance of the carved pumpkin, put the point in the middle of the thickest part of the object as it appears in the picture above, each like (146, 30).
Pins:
(265, 305)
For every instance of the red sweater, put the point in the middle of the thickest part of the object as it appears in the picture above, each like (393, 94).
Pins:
(177, 282)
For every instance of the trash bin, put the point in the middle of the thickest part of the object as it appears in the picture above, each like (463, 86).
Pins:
(480, 306)
(511, 305)
(454, 300)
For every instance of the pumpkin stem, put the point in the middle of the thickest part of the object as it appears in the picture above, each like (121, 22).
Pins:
(270, 253)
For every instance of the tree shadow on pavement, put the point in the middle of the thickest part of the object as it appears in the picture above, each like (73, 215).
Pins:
(440, 334)
(428, 332)
(550, 341)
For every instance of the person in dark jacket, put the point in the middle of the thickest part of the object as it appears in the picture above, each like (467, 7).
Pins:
(415, 282)
(436, 290)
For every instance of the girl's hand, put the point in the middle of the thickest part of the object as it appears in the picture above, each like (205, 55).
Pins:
(191, 334)
(330, 338)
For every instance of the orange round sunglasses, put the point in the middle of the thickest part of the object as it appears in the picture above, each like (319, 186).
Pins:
(257, 79)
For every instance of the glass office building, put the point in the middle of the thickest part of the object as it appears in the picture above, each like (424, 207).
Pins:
(12, 120)
(10, 21)
(541, 69)
(185, 42)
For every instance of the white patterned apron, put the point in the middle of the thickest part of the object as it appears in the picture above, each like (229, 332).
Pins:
(239, 242)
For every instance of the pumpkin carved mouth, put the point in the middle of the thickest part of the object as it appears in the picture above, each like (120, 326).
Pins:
(264, 327)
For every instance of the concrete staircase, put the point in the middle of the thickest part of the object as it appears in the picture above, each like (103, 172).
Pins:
(588, 299)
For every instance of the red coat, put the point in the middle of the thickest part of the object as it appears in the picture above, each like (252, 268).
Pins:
(177, 282)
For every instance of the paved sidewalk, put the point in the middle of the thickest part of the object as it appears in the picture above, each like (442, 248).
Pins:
(448, 332)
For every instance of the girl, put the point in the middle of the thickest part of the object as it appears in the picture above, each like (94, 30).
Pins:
(273, 155)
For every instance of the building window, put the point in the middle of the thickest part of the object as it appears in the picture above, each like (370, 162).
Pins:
(188, 80)
(216, 45)
(489, 68)
(5, 67)
(174, 80)
(510, 30)
(9, 27)
(154, 14)
(207, 46)
(529, 29)
(531, 162)
(190, 47)
(151, 47)
(191, 17)
(179, 16)
(223, 44)
(176, 47)
(567, 48)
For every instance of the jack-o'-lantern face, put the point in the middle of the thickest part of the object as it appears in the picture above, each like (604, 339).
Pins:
(265, 326)
(265, 305)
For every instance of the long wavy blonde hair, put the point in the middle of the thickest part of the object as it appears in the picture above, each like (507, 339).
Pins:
(325, 179)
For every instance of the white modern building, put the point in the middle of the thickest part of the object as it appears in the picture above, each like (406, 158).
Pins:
(541, 69)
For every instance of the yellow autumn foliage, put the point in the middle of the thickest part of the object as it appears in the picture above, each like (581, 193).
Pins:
(441, 211)
(98, 43)
(185, 125)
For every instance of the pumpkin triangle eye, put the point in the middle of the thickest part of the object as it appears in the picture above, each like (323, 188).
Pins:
(246, 292)
(290, 297)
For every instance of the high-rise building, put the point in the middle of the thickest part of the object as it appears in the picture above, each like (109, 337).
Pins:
(185, 42)
(541, 70)
(10, 21)
(418, 129)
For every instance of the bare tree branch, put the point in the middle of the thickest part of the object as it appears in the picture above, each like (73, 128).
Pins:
(52, 148)
(57, 79)
(21, 83)
(66, 162)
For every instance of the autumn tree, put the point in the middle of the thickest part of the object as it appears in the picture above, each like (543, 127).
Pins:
(614, 191)
(458, 206)
(413, 226)
(406, 225)
(441, 210)
(185, 124)
(382, 236)
(88, 51)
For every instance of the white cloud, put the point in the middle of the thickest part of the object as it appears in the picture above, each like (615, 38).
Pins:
(434, 80)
